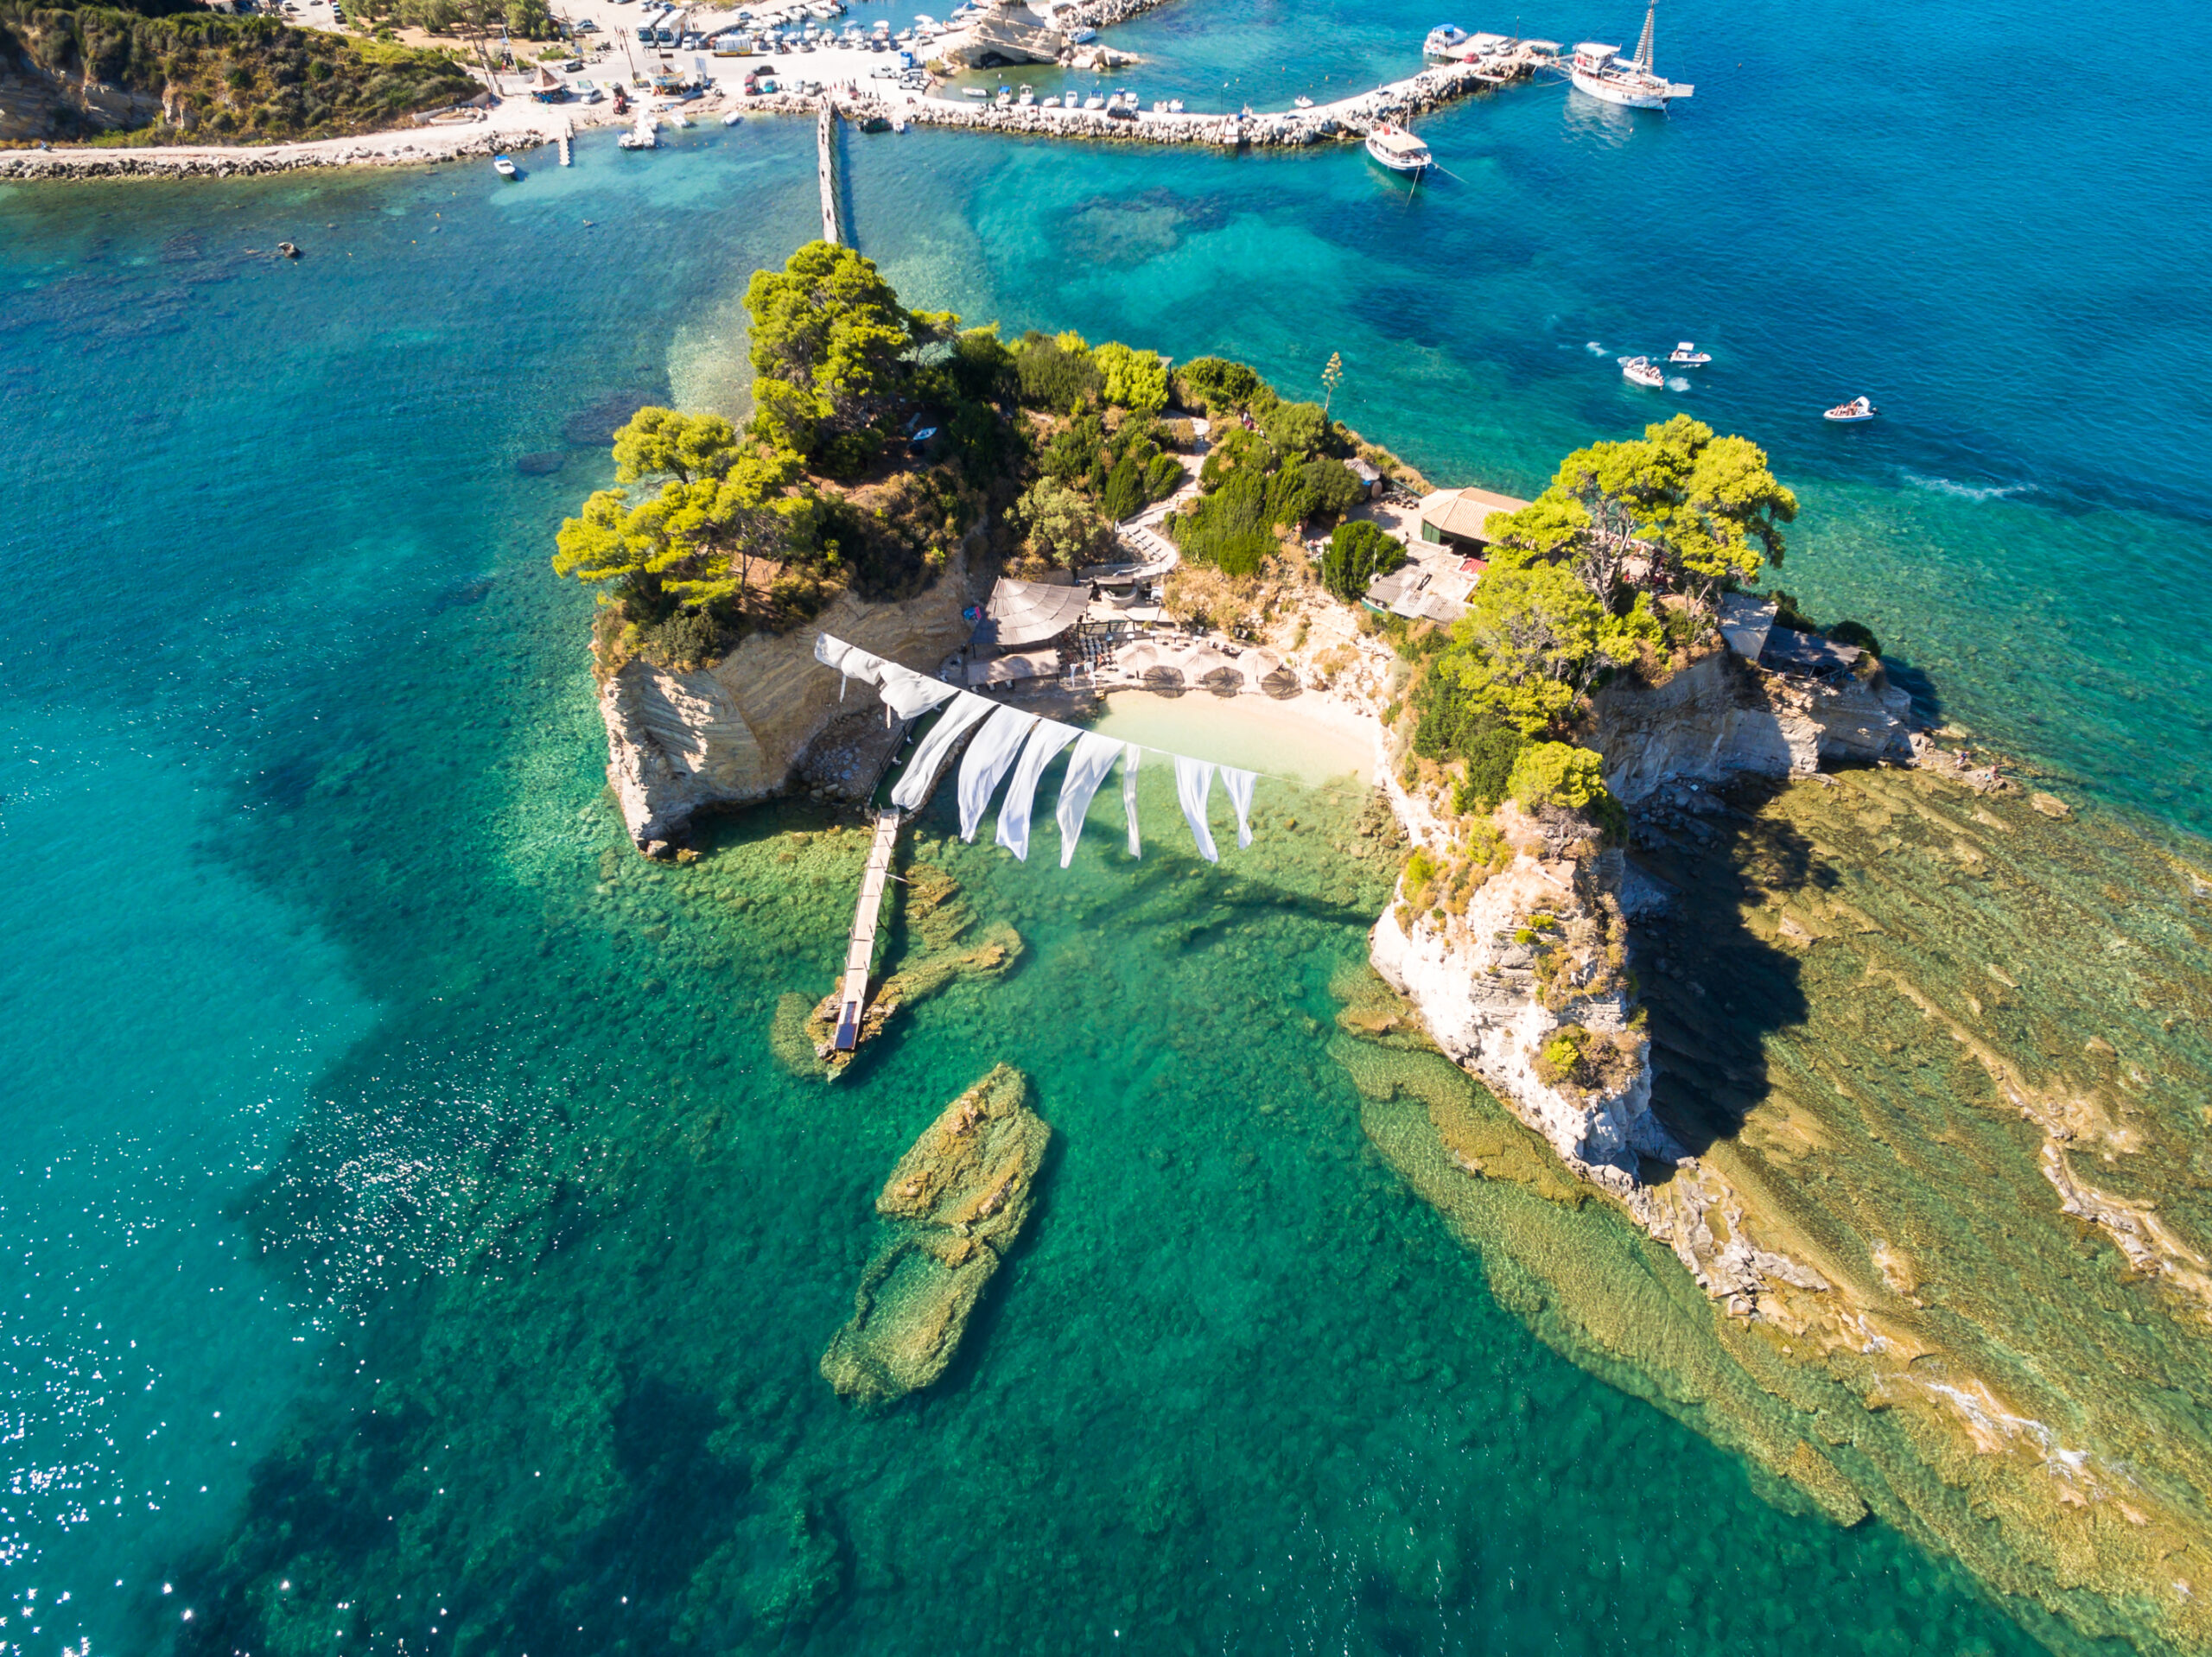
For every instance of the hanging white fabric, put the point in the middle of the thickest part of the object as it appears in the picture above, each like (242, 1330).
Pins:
(1049, 737)
(909, 694)
(1237, 784)
(986, 761)
(1131, 755)
(928, 758)
(1093, 758)
(1193, 783)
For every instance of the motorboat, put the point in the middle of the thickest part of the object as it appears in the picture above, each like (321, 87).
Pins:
(1394, 146)
(1602, 73)
(1302, 103)
(504, 167)
(732, 118)
(1051, 101)
(1687, 355)
(1442, 40)
(1027, 97)
(1642, 371)
(1005, 99)
(1094, 101)
(973, 91)
(1857, 408)
(1174, 106)
(641, 136)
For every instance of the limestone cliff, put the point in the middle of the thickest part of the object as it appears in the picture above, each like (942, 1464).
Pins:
(1720, 719)
(732, 734)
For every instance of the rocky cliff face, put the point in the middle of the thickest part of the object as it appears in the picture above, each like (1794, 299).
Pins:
(1721, 718)
(679, 743)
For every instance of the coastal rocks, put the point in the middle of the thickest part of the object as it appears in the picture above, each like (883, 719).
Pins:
(1501, 985)
(1719, 719)
(730, 734)
(1001, 38)
(958, 1200)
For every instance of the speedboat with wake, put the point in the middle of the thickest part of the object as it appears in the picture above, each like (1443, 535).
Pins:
(1642, 371)
(1857, 408)
(1393, 147)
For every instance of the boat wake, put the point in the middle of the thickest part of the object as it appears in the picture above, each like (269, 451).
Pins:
(1593, 347)
(1965, 490)
(1677, 383)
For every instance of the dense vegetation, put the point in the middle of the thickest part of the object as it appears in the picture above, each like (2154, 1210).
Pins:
(1622, 555)
(881, 437)
(199, 76)
(527, 20)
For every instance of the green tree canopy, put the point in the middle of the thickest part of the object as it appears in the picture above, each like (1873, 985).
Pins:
(1532, 642)
(832, 347)
(1357, 552)
(1137, 380)
(1061, 526)
(1678, 506)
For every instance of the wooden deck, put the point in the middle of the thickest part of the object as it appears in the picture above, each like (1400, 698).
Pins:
(825, 142)
(860, 944)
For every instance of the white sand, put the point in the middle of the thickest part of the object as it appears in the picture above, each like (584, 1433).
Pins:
(1311, 738)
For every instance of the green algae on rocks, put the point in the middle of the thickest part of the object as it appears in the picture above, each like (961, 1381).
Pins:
(959, 1197)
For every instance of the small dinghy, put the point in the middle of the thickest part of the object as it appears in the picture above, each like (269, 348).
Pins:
(1687, 355)
(1642, 371)
(732, 118)
(1857, 408)
(504, 167)
(1303, 102)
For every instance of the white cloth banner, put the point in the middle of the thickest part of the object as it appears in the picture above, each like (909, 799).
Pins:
(1193, 783)
(1049, 737)
(1093, 758)
(1237, 784)
(928, 759)
(1131, 754)
(986, 761)
(907, 694)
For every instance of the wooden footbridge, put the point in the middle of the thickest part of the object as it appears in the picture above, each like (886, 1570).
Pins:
(859, 943)
(825, 145)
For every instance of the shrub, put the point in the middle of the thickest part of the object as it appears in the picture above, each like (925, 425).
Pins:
(1219, 386)
(1299, 429)
(1858, 633)
(688, 639)
(1072, 452)
(1556, 773)
(1123, 495)
(1135, 380)
(1358, 553)
(1333, 486)
(1052, 377)
(1228, 528)
(1491, 747)
(1061, 526)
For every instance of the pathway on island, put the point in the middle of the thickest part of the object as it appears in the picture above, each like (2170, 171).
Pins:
(859, 943)
(825, 143)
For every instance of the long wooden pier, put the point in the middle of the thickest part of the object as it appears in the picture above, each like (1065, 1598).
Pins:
(825, 136)
(859, 943)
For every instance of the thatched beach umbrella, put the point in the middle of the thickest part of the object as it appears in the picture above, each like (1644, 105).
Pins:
(1164, 680)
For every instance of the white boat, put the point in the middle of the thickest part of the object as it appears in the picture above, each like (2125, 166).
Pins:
(1687, 355)
(1398, 150)
(1302, 103)
(1027, 97)
(1642, 371)
(641, 136)
(973, 91)
(1094, 101)
(1442, 40)
(1174, 106)
(1050, 103)
(1005, 99)
(504, 167)
(732, 118)
(1082, 37)
(1602, 73)
(1857, 408)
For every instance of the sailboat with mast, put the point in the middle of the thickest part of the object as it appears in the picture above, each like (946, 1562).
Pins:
(1602, 73)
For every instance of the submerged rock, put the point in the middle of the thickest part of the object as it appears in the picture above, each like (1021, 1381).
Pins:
(959, 1199)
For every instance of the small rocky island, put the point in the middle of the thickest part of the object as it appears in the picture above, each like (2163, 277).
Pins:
(957, 1201)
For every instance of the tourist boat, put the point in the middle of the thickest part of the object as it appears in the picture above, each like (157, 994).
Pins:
(1602, 73)
(1642, 371)
(1857, 408)
(1689, 356)
(1398, 150)
(504, 167)
(1442, 40)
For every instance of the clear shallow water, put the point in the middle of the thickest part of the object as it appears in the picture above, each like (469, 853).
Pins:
(309, 952)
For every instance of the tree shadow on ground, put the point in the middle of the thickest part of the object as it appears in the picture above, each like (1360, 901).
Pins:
(1714, 984)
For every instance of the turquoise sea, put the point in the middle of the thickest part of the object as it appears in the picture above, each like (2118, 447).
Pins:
(411, 1242)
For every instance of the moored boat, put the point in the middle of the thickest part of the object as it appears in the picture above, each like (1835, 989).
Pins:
(1442, 40)
(503, 167)
(1302, 103)
(1396, 149)
(1602, 72)
(1857, 408)
(1642, 371)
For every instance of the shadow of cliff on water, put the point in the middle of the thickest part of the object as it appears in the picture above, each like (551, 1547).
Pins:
(1713, 987)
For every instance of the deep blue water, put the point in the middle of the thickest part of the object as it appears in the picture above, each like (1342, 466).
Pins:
(327, 988)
